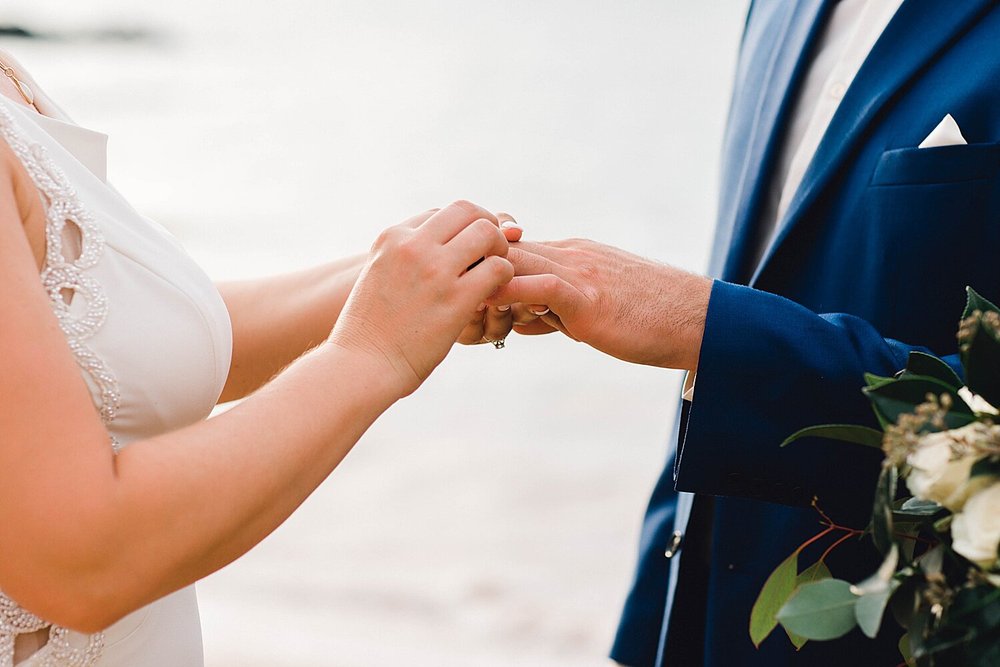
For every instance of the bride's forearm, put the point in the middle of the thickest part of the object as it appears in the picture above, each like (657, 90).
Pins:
(182, 505)
(88, 537)
(275, 320)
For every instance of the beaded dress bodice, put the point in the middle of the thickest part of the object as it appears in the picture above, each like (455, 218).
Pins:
(152, 338)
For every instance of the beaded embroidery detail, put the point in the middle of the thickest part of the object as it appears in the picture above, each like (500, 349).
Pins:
(59, 274)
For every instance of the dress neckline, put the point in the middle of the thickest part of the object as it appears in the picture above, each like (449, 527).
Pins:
(88, 146)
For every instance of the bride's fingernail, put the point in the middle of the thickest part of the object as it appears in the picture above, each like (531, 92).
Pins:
(509, 224)
(481, 307)
(544, 311)
(503, 309)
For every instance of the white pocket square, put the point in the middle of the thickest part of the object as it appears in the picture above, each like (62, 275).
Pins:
(946, 133)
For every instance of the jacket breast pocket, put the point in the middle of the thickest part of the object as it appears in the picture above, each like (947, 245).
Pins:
(941, 164)
(931, 220)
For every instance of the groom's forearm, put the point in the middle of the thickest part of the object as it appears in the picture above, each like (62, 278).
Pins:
(277, 319)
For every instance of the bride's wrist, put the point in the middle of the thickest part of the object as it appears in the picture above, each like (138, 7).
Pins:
(366, 370)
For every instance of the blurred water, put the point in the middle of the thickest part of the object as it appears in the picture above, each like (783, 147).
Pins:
(491, 519)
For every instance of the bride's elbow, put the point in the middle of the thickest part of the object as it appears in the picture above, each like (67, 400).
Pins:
(68, 577)
(69, 601)
(82, 613)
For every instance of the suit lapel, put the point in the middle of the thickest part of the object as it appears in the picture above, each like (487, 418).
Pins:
(919, 31)
(785, 32)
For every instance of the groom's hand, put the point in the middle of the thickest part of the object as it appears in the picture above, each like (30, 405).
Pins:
(619, 303)
(491, 324)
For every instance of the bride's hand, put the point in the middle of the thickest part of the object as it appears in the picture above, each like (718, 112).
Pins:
(417, 292)
(492, 323)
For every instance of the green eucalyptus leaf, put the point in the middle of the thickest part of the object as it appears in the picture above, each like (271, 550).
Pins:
(932, 561)
(905, 394)
(981, 353)
(885, 494)
(984, 651)
(871, 606)
(918, 507)
(905, 602)
(977, 608)
(875, 592)
(776, 590)
(981, 358)
(905, 652)
(815, 572)
(921, 363)
(943, 525)
(918, 626)
(947, 643)
(821, 610)
(859, 435)
(872, 380)
(881, 579)
(975, 301)
(906, 533)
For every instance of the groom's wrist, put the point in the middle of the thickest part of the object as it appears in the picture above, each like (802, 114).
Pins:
(684, 305)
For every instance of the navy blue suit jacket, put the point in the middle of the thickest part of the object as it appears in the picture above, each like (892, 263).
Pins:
(870, 262)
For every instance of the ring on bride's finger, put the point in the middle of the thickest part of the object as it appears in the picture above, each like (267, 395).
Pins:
(499, 344)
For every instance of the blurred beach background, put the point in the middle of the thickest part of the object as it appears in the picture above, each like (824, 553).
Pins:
(491, 519)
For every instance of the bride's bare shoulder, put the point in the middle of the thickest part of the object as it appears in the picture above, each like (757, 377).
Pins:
(20, 201)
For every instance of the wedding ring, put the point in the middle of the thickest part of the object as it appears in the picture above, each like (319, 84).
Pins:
(499, 344)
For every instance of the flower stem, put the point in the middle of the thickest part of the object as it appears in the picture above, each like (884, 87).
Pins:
(843, 538)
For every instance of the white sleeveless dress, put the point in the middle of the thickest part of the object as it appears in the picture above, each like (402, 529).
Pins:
(153, 340)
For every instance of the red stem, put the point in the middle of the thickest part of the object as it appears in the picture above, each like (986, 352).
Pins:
(818, 536)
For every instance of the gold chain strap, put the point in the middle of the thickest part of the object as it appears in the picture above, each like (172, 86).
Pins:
(22, 87)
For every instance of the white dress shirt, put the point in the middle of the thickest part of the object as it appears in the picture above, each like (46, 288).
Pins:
(848, 37)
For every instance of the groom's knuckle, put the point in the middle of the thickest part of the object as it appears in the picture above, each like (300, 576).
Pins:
(385, 237)
(500, 267)
(466, 206)
(591, 293)
(589, 271)
(393, 237)
(550, 284)
(485, 231)
(501, 271)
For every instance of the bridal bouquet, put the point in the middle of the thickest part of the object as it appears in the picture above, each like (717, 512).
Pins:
(940, 579)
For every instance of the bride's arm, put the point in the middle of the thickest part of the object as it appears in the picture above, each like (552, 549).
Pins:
(277, 319)
(87, 537)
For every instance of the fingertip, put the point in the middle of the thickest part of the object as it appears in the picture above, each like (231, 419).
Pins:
(511, 232)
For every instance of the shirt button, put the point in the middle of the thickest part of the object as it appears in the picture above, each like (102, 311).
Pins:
(675, 544)
(837, 90)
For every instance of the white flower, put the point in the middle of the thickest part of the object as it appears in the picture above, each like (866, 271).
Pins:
(976, 402)
(975, 531)
(937, 474)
